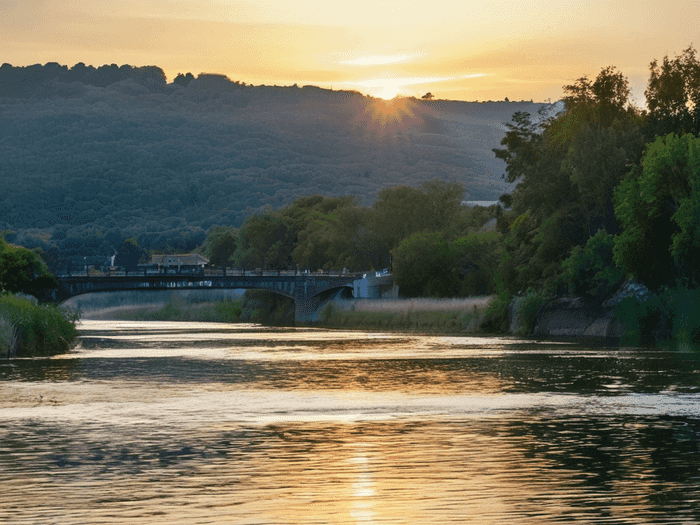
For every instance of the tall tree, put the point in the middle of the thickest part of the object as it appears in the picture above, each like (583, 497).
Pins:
(673, 95)
(658, 206)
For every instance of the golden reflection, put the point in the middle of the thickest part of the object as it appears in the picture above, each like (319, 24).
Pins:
(403, 472)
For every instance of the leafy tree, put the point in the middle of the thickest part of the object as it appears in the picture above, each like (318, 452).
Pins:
(658, 207)
(474, 260)
(401, 211)
(23, 270)
(590, 271)
(264, 241)
(220, 245)
(566, 168)
(673, 95)
(129, 254)
(422, 266)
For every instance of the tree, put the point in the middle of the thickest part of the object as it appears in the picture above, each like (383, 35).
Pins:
(264, 241)
(673, 95)
(220, 245)
(400, 211)
(658, 207)
(23, 270)
(422, 266)
(566, 168)
(428, 96)
(129, 254)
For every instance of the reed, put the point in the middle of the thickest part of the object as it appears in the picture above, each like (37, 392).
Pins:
(420, 315)
(8, 338)
(29, 330)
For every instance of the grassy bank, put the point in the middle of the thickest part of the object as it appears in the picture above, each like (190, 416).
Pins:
(178, 309)
(255, 306)
(31, 330)
(418, 315)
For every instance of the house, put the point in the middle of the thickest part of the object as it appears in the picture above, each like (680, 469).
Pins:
(187, 262)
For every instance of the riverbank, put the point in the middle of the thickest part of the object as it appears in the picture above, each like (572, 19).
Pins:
(28, 329)
(412, 315)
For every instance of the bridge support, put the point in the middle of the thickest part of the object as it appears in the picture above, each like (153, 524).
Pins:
(306, 310)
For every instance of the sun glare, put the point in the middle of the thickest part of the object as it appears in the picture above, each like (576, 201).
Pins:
(379, 60)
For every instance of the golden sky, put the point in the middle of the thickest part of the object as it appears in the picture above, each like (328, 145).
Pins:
(456, 49)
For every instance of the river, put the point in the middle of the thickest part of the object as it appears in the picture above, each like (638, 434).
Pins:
(186, 423)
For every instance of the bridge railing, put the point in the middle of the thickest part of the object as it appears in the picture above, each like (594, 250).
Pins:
(210, 272)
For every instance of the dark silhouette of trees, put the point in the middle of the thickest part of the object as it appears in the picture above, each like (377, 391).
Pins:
(673, 95)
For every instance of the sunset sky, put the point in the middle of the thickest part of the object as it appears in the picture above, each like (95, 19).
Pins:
(456, 49)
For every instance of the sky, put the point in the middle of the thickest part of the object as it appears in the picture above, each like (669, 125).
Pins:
(454, 49)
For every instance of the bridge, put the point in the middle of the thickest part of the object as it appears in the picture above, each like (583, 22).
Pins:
(308, 290)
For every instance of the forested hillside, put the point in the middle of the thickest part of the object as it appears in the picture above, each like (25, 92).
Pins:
(91, 156)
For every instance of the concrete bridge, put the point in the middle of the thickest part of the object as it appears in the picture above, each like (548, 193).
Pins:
(308, 290)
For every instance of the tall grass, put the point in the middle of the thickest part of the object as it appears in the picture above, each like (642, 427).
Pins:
(28, 329)
(8, 338)
(422, 315)
(178, 309)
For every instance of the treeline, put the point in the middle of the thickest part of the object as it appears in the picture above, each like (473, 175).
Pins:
(607, 191)
(435, 245)
(91, 156)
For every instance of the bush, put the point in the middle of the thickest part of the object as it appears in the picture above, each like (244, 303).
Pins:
(644, 322)
(590, 271)
(526, 308)
(496, 315)
(36, 330)
(685, 312)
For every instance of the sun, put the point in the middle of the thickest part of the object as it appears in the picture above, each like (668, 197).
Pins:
(386, 116)
(388, 91)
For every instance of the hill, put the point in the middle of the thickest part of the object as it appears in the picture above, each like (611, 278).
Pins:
(116, 152)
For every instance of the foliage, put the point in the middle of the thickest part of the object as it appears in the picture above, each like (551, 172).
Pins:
(526, 308)
(36, 330)
(474, 260)
(566, 168)
(23, 270)
(220, 245)
(590, 270)
(673, 95)
(422, 266)
(264, 241)
(658, 207)
(401, 211)
(495, 317)
(644, 322)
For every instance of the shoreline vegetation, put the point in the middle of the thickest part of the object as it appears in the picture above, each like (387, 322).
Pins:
(414, 315)
(28, 329)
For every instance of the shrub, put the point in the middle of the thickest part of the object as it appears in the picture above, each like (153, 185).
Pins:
(645, 321)
(526, 308)
(496, 315)
(40, 330)
(590, 271)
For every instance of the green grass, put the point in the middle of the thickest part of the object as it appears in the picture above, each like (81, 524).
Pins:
(180, 310)
(31, 330)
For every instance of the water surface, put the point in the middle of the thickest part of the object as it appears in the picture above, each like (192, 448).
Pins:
(211, 423)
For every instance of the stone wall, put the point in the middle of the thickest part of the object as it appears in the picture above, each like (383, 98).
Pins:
(574, 317)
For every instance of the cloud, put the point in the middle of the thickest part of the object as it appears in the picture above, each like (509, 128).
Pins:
(376, 60)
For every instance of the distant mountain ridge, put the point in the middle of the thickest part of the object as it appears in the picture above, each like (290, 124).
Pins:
(87, 150)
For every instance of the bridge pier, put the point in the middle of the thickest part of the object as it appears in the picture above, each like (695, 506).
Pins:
(306, 310)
